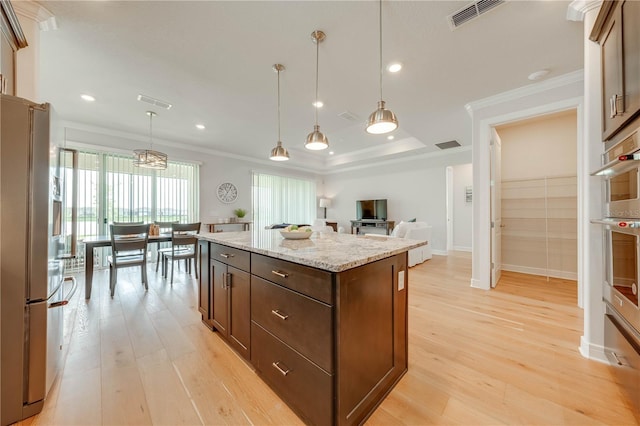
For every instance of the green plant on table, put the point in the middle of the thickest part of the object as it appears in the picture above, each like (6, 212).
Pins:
(240, 213)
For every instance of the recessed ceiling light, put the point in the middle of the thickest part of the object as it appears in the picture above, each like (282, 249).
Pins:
(200, 126)
(331, 152)
(391, 137)
(394, 67)
(88, 98)
(318, 104)
(538, 75)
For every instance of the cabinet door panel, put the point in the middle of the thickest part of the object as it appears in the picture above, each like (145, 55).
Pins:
(631, 56)
(240, 324)
(612, 74)
(220, 297)
(204, 283)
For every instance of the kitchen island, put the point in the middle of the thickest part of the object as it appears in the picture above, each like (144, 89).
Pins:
(322, 320)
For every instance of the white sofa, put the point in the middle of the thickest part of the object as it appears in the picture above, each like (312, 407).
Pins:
(415, 231)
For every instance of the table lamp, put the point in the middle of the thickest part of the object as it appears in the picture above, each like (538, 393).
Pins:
(324, 203)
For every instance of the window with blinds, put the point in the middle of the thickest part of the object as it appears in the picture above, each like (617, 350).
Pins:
(281, 199)
(109, 188)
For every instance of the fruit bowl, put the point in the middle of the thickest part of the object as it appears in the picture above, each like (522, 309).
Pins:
(296, 235)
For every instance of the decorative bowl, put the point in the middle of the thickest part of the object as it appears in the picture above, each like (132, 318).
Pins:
(296, 235)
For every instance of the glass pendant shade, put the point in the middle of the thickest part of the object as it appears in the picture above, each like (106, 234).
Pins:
(279, 153)
(316, 140)
(148, 158)
(381, 121)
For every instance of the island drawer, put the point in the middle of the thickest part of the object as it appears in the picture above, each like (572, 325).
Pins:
(299, 321)
(240, 259)
(306, 280)
(306, 388)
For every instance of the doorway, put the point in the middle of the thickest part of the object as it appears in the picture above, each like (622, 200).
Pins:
(534, 196)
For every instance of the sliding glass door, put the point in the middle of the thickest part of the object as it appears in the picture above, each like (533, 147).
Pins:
(104, 188)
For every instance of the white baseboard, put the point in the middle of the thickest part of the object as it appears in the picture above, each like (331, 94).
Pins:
(541, 271)
(479, 284)
(460, 248)
(440, 252)
(591, 351)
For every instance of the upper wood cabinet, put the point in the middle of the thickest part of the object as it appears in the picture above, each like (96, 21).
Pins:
(617, 30)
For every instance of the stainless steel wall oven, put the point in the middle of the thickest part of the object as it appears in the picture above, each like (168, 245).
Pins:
(621, 227)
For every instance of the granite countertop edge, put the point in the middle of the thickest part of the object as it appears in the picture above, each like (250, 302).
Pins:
(316, 259)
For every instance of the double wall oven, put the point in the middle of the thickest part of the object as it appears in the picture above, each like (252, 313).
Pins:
(621, 227)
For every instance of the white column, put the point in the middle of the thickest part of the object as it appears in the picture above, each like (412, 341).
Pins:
(591, 258)
(33, 19)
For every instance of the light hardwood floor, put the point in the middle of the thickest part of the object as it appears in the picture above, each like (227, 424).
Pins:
(506, 356)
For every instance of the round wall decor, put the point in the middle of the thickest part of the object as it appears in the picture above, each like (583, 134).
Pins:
(227, 192)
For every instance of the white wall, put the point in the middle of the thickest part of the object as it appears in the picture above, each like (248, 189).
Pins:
(462, 210)
(414, 188)
(545, 146)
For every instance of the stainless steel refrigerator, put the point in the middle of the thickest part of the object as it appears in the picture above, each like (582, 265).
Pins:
(33, 289)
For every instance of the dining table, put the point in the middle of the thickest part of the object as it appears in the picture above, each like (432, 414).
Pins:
(91, 243)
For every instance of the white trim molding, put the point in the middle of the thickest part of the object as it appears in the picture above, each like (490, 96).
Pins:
(521, 92)
(577, 9)
(36, 12)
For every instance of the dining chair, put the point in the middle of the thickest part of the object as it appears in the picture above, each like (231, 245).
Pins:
(164, 227)
(128, 248)
(184, 245)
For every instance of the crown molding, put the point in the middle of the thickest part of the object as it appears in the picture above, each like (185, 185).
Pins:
(521, 92)
(36, 12)
(577, 9)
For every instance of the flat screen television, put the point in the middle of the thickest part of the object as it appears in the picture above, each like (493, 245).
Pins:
(371, 209)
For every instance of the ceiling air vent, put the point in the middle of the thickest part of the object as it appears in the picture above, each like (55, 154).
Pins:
(471, 11)
(154, 101)
(447, 145)
(347, 115)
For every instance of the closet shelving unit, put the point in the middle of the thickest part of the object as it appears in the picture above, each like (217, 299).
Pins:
(539, 218)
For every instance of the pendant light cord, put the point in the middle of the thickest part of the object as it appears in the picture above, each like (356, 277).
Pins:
(380, 3)
(151, 130)
(278, 70)
(317, 72)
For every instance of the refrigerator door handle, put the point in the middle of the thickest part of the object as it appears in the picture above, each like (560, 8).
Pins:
(65, 300)
(53, 293)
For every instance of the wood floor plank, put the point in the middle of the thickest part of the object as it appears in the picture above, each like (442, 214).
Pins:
(168, 401)
(123, 397)
(506, 356)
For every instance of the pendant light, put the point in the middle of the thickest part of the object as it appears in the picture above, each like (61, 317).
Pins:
(316, 140)
(148, 158)
(279, 153)
(381, 120)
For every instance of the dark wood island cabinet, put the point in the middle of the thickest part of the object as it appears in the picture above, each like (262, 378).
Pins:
(330, 339)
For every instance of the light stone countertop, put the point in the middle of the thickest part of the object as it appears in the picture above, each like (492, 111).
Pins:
(328, 251)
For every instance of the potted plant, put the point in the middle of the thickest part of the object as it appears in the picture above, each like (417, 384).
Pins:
(240, 213)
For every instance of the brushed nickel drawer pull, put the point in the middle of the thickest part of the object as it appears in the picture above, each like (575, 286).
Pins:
(277, 313)
(226, 255)
(280, 274)
(277, 366)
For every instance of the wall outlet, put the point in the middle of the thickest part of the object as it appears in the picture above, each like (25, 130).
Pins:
(400, 280)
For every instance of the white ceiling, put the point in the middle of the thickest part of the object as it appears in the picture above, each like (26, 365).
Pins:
(213, 61)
